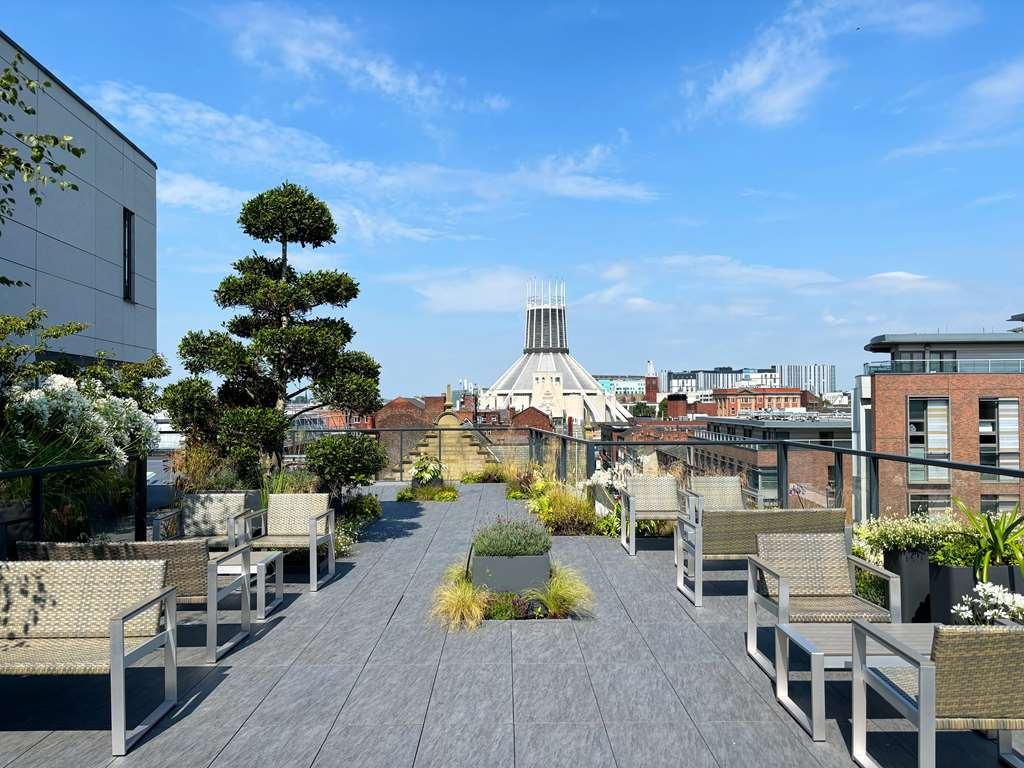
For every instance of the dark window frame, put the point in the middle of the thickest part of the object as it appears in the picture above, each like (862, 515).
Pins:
(128, 255)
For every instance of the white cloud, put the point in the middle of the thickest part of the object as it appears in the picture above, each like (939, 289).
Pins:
(615, 272)
(829, 319)
(493, 289)
(310, 45)
(789, 62)
(901, 282)
(987, 114)
(730, 270)
(986, 200)
(378, 227)
(183, 190)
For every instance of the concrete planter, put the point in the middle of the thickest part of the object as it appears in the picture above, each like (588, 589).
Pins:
(912, 568)
(510, 574)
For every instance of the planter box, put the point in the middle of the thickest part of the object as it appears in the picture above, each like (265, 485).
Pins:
(950, 583)
(510, 574)
(912, 568)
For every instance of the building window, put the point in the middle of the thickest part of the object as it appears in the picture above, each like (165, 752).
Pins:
(908, 362)
(997, 505)
(942, 362)
(927, 504)
(999, 435)
(128, 254)
(928, 438)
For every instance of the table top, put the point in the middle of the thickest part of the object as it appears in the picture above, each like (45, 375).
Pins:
(256, 557)
(837, 639)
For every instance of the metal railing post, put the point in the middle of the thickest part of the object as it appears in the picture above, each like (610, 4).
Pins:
(563, 458)
(530, 439)
(873, 501)
(401, 455)
(141, 497)
(782, 473)
(591, 459)
(37, 505)
(840, 483)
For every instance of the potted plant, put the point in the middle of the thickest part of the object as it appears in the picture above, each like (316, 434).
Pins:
(951, 574)
(511, 556)
(905, 544)
(989, 604)
(428, 470)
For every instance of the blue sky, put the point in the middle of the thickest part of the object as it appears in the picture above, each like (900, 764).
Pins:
(717, 183)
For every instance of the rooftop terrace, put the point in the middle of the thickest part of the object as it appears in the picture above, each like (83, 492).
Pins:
(357, 674)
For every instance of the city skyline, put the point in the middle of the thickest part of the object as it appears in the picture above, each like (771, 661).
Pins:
(708, 181)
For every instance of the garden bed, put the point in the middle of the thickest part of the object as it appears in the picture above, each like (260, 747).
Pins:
(509, 576)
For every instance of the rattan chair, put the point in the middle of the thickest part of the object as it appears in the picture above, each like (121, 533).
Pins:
(810, 578)
(718, 491)
(647, 498)
(295, 521)
(731, 534)
(967, 683)
(90, 618)
(208, 516)
(191, 570)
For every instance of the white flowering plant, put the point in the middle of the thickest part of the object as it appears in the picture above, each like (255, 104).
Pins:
(64, 420)
(988, 604)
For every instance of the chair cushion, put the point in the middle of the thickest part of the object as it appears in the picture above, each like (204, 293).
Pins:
(834, 608)
(66, 656)
(813, 563)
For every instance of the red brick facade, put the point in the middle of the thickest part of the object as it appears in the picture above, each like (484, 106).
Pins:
(729, 402)
(889, 398)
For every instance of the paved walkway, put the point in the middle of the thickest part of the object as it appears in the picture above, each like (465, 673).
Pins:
(358, 675)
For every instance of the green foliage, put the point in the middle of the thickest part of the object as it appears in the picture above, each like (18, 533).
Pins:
(562, 511)
(345, 461)
(870, 586)
(125, 379)
(902, 534)
(999, 538)
(492, 473)
(663, 408)
(427, 469)
(610, 525)
(31, 158)
(199, 467)
(565, 594)
(288, 214)
(504, 606)
(428, 493)
(19, 353)
(357, 512)
(959, 550)
(510, 538)
(276, 340)
(245, 434)
(642, 410)
(457, 603)
(192, 408)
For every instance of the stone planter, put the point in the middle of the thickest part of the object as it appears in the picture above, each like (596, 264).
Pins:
(510, 574)
(912, 568)
(950, 583)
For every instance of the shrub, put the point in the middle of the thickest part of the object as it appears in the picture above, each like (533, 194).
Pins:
(426, 470)
(906, 533)
(959, 550)
(561, 511)
(870, 586)
(492, 473)
(457, 603)
(509, 538)
(565, 593)
(428, 493)
(503, 606)
(346, 461)
(193, 408)
(356, 513)
(365, 506)
(610, 525)
(999, 538)
(246, 434)
(199, 466)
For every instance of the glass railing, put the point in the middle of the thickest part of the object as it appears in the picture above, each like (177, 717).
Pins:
(964, 365)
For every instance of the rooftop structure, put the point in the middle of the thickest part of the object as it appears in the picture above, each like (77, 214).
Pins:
(546, 376)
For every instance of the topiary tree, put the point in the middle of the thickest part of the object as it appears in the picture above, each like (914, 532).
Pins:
(193, 409)
(345, 461)
(277, 348)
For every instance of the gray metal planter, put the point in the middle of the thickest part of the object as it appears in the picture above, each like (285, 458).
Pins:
(950, 583)
(510, 574)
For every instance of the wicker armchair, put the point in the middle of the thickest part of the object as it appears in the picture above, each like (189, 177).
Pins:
(207, 516)
(295, 521)
(191, 570)
(812, 578)
(730, 534)
(718, 491)
(647, 498)
(90, 618)
(963, 685)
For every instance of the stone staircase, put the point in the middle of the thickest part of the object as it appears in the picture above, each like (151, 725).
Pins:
(461, 452)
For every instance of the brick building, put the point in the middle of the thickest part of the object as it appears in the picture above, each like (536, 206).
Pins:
(731, 401)
(941, 396)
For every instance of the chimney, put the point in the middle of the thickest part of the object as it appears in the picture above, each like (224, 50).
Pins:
(678, 406)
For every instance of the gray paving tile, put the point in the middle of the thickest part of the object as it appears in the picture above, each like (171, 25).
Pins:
(465, 746)
(390, 694)
(605, 641)
(741, 745)
(717, 693)
(672, 744)
(465, 694)
(369, 746)
(490, 643)
(567, 745)
(409, 644)
(553, 693)
(82, 749)
(679, 642)
(544, 641)
(635, 693)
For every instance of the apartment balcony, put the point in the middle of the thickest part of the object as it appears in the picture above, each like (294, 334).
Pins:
(983, 365)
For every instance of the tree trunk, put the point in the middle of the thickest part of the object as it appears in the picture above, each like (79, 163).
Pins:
(277, 459)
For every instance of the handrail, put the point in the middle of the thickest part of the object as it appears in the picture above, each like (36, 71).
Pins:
(957, 365)
(49, 469)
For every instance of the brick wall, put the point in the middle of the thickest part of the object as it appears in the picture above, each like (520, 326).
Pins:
(889, 395)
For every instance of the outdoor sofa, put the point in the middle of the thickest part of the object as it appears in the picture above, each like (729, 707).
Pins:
(90, 618)
(191, 570)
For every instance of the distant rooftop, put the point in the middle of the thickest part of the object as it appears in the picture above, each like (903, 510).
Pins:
(774, 418)
(887, 341)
